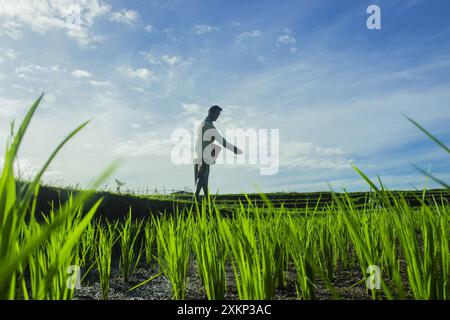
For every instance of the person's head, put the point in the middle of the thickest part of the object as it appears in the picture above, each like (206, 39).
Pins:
(214, 112)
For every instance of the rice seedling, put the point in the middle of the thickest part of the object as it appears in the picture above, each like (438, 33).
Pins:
(210, 254)
(173, 242)
(128, 234)
(301, 252)
(252, 252)
(150, 237)
(362, 228)
(425, 249)
(48, 268)
(88, 245)
(106, 240)
(278, 231)
(17, 205)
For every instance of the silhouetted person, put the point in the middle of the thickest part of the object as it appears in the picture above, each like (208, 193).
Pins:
(206, 153)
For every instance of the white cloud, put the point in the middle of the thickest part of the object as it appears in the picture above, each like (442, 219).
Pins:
(80, 73)
(203, 28)
(144, 145)
(129, 17)
(307, 155)
(29, 72)
(96, 83)
(11, 29)
(139, 89)
(57, 68)
(190, 108)
(149, 28)
(249, 34)
(11, 108)
(286, 39)
(85, 38)
(166, 59)
(150, 58)
(22, 88)
(27, 169)
(293, 149)
(142, 73)
(306, 163)
(12, 54)
(31, 68)
(42, 16)
(171, 60)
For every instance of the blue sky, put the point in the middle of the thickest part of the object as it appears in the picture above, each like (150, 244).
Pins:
(141, 69)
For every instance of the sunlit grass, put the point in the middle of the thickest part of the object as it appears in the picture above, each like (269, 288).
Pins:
(17, 245)
(128, 235)
(174, 244)
(106, 240)
(411, 246)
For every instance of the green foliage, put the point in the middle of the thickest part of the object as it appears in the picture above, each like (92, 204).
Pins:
(106, 240)
(150, 237)
(47, 248)
(411, 246)
(210, 253)
(128, 235)
(173, 241)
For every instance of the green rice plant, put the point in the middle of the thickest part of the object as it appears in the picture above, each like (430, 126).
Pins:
(419, 238)
(173, 242)
(424, 242)
(246, 264)
(300, 249)
(210, 253)
(253, 253)
(277, 235)
(273, 231)
(150, 237)
(423, 245)
(48, 268)
(428, 268)
(322, 244)
(88, 246)
(106, 240)
(17, 205)
(272, 258)
(364, 234)
(391, 257)
(128, 234)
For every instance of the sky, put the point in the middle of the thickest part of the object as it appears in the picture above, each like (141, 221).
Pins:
(140, 70)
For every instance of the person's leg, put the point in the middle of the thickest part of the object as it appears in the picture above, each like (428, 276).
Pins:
(195, 172)
(202, 179)
(197, 190)
(205, 189)
(197, 187)
(205, 182)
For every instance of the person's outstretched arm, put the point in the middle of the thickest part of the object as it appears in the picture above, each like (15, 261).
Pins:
(213, 132)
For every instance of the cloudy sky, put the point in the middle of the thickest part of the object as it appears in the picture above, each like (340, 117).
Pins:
(312, 69)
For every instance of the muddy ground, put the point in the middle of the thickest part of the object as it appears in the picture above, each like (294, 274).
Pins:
(350, 285)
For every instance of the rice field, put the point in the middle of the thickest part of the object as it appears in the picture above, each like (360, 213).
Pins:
(374, 247)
